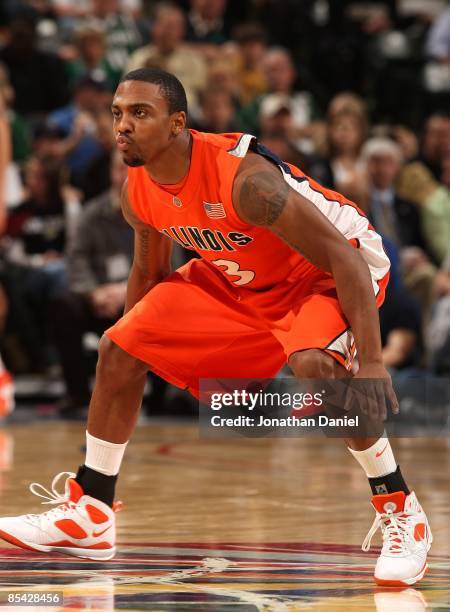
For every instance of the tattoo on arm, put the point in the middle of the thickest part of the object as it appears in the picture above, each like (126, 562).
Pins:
(263, 197)
(142, 248)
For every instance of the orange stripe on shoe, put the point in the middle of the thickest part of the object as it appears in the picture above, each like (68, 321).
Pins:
(96, 515)
(71, 529)
(12, 540)
(100, 545)
(68, 544)
(74, 489)
(64, 543)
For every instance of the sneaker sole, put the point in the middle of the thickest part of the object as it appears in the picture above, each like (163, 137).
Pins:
(83, 553)
(405, 582)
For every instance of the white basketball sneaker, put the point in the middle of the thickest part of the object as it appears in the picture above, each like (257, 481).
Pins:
(80, 525)
(406, 539)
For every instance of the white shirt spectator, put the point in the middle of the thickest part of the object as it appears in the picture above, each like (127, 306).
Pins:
(438, 43)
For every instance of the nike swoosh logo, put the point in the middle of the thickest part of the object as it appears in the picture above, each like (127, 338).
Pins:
(420, 532)
(381, 452)
(96, 535)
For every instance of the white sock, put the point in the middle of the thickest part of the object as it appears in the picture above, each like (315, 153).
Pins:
(102, 456)
(377, 460)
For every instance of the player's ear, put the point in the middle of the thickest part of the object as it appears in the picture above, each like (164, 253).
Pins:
(178, 122)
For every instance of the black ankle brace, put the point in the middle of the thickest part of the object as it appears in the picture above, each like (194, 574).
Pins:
(97, 485)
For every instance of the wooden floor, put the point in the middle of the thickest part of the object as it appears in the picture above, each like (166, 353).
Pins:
(226, 525)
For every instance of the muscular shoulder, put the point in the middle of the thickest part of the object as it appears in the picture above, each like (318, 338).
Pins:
(259, 191)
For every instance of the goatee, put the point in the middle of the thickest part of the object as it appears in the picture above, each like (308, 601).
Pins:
(134, 162)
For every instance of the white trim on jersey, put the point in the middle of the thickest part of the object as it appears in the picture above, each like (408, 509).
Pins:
(350, 223)
(242, 145)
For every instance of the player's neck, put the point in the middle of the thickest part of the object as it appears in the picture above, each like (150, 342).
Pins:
(173, 164)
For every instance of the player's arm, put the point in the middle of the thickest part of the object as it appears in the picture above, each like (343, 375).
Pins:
(152, 254)
(262, 197)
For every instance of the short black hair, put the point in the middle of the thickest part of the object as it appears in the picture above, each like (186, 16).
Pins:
(170, 86)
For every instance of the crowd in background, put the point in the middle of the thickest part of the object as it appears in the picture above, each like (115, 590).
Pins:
(357, 94)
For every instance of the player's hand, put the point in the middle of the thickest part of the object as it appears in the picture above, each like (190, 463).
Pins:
(371, 392)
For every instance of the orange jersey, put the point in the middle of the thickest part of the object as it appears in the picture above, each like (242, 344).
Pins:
(201, 217)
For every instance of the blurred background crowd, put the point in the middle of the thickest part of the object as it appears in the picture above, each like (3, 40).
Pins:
(357, 94)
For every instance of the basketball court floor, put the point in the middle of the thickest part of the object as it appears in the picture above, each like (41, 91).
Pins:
(211, 525)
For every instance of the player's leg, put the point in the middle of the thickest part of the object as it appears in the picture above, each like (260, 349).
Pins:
(188, 327)
(404, 525)
(113, 413)
(83, 523)
(379, 465)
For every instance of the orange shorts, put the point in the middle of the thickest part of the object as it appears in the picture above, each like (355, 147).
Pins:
(195, 324)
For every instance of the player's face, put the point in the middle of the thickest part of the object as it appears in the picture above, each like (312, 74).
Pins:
(142, 125)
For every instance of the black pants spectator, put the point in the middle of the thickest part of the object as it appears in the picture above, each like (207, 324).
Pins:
(29, 292)
(71, 317)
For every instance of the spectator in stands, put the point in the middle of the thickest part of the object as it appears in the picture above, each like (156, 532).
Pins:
(168, 51)
(97, 177)
(251, 39)
(41, 225)
(98, 264)
(20, 133)
(280, 74)
(346, 132)
(417, 184)
(37, 233)
(280, 145)
(222, 74)
(445, 176)
(83, 8)
(348, 102)
(398, 220)
(122, 31)
(91, 60)
(435, 143)
(18, 140)
(77, 120)
(392, 216)
(405, 137)
(217, 112)
(401, 331)
(400, 320)
(38, 78)
(438, 42)
(49, 141)
(438, 335)
(436, 76)
(276, 115)
(206, 22)
(5, 159)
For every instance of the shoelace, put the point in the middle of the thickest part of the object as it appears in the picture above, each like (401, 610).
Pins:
(55, 497)
(396, 530)
(52, 497)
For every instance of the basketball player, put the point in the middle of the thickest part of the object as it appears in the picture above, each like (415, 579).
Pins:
(289, 272)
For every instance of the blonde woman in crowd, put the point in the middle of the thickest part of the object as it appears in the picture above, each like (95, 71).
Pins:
(346, 132)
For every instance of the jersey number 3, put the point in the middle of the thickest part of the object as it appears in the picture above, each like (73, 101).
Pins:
(232, 269)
